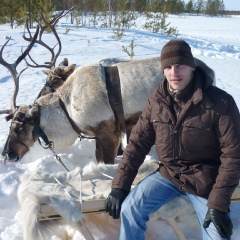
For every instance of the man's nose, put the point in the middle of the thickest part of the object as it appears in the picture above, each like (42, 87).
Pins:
(174, 69)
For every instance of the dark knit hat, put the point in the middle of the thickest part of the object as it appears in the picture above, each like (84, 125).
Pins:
(176, 52)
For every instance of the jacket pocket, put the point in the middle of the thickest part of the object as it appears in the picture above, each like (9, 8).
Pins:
(162, 129)
(200, 179)
(196, 134)
(205, 179)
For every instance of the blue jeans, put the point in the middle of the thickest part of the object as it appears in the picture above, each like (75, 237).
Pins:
(147, 197)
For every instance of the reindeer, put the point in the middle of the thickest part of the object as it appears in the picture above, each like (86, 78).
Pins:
(55, 75)
(81, 105)
(80, 101)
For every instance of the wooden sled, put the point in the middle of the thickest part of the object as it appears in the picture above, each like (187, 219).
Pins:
(95, 206)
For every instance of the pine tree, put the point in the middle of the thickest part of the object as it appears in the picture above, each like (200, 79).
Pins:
(199, 6)
(46, 8)
(189, 7)
(14, 12)
(215, 7)
(4, 11)
(175, 6)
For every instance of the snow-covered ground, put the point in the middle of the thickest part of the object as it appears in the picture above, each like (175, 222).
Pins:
(214, 40)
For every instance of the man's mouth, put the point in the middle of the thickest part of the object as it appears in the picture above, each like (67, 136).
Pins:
(176, 80)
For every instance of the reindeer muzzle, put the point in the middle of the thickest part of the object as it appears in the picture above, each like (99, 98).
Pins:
(8, 156)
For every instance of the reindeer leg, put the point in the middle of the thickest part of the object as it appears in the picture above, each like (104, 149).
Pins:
(128, 132)
(108, 140)
(107, 145)
(120, 151)
(99, 151)
(105, 151)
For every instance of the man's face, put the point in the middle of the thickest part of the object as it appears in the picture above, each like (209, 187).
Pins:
(178, 76)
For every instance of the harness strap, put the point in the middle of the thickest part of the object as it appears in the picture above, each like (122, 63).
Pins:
(113, 86)
(73, 124)
(44, 138)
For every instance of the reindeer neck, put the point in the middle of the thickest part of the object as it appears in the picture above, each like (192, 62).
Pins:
(54, 121)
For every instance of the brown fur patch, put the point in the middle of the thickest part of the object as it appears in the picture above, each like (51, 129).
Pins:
(108, 140)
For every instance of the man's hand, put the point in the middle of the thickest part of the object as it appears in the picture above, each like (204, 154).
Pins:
(221, 221)
(114, 202)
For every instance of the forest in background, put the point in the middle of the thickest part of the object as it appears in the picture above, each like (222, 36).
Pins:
(118, 15)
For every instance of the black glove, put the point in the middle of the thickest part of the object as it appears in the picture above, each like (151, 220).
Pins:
(221, 221)
(114, 202)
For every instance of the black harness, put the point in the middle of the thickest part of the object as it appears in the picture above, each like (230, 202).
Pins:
(73, 124)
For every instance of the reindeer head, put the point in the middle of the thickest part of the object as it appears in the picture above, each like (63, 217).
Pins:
(24, 129)
(23, 132)
(56, 77)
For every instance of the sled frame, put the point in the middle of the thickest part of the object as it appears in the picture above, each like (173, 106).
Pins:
(95, 206)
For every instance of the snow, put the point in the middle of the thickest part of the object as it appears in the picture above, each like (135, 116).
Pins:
(214, 40)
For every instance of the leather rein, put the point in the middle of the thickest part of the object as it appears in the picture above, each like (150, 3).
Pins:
(73, 124)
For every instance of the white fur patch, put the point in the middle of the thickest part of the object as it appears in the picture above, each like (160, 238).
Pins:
(138, 79)
(39, 187)
(87, 103)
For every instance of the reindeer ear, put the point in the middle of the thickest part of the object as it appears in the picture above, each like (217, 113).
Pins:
(64, 62)
(9, 116)
(69, 70)
(33, 110)
(46, 71)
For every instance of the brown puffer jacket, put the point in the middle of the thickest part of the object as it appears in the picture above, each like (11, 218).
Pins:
(199, 153)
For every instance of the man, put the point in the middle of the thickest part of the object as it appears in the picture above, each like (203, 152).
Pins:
(195, 127)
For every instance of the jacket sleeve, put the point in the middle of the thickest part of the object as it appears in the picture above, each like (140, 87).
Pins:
(228, 134)
(141, 140)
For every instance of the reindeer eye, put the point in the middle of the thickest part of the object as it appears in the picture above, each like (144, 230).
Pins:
(55, 83)
(21, 131)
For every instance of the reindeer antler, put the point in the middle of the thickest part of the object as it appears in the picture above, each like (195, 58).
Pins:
(12, 67)
(52, 26)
